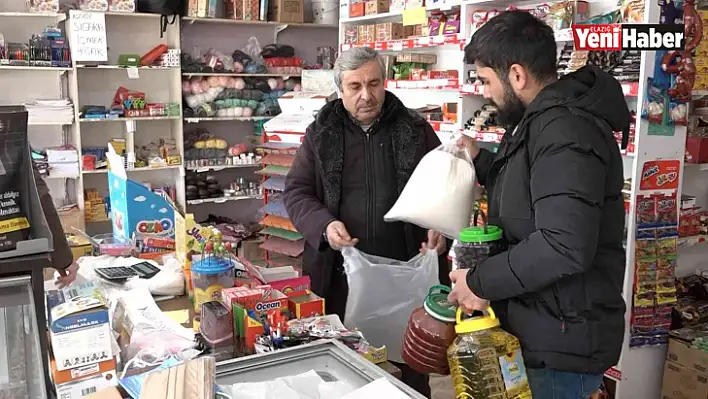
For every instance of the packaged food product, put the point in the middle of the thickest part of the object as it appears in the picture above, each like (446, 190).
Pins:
(43, 5)
(646, 211)
(560, 15)
(485, 361)
(14, 187)
(121, 5)
(430, 331)
(475, 244)
(93, 5)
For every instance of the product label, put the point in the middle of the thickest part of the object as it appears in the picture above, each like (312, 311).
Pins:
(212, 293)
(514, 372)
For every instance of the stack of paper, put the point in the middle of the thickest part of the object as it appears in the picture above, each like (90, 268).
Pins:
(63, 161)
(50, 112)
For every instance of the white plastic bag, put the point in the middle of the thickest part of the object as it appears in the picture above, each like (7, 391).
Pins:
(440, 193)
(384, 292)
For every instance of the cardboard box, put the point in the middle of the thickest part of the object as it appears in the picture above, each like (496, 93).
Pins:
(234, 9)
(417, 58)
(83, 388)
(79, 328)
(251, 10)
(105, 369)
(287, 11)
(367, 33)
(351, 34)
(246, 329)
(389, 31)
(307, 305)
(357, 10)
(680, 382)
(681, 352)
(80, 246)
(376, 7)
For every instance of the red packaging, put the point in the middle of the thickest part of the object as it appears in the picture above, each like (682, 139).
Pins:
(448, 74)
(357, 9)
(666, 210)
(697, 149)
(646, 211)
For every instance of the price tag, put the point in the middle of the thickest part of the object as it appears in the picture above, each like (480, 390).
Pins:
(220, 200)
(133, 73)
(438, 39)
(424, 41)
(490, 138)
(396, 46)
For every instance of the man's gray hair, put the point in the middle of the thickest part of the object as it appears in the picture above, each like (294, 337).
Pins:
(355, 58)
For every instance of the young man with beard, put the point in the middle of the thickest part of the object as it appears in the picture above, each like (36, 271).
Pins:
(555, 189)
(354, 161)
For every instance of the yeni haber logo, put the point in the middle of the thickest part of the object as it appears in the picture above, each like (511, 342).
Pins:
(615, 37)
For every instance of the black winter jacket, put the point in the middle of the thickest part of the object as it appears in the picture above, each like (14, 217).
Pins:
(555, 188)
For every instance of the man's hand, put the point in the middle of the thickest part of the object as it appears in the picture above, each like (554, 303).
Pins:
(67, 276)
(468, 143)
(462, 295)
(436, 241)
(338, 237)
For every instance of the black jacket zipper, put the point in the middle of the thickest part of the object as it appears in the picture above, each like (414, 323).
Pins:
(370, 189)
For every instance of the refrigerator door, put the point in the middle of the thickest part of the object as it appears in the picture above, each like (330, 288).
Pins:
(21, 366)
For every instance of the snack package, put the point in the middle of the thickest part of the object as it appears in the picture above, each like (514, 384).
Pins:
(654, 106)
(678, 113)
(645, 248)
(646, 211)
(667, 210)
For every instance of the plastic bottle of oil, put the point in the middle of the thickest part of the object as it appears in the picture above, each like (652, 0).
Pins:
(485, 361)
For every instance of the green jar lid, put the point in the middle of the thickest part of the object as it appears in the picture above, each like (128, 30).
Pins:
(481, 234)
(437, 305)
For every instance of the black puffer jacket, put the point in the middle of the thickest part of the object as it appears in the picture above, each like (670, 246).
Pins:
(555, 188)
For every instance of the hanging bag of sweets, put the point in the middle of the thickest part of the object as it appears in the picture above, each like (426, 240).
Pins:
(14, 179)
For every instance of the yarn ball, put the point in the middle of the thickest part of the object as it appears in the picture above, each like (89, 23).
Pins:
(238, 111)
(238, 67)
(231, 83)
(240, 84)
(223, 81)
(186, 87)
(289, 84)
(297, 87)
(224, 112)
(248, 112)
(205, 85)
(196, 87)
(193, 101)
(213, 81)
(272, 83)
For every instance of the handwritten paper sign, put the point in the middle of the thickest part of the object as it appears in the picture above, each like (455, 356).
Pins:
(88, 36)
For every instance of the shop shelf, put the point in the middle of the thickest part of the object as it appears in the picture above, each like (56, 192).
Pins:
(145, 118)
(25, 68)
(222, 167)
(241, 75)
(227, 119)
(221, 200)
(121, 67)
(50, 15)
(143, 169)
(429, 84)
(408, 44)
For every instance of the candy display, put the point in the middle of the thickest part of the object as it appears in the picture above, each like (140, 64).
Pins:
(655, 262)
(484, 120)
(681, 63)
(213, 271)
(43, 5)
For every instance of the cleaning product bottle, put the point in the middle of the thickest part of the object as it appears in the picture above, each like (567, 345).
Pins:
(485, 361)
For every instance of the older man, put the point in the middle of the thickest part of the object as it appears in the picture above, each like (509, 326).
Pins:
(353, 163)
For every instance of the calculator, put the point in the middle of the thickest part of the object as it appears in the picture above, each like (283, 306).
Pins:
(120, 273)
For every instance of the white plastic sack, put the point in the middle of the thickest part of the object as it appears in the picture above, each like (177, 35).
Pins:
(384, 292)
(440, 193)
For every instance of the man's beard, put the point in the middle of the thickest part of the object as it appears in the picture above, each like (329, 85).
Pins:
(513, 109)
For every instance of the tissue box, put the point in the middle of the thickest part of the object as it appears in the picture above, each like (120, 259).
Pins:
(79, 328)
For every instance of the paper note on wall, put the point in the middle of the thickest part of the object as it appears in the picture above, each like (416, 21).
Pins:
(415, 16)
(88, 36)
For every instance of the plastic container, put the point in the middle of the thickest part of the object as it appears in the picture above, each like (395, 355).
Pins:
(215, 322)
(210, 275)
(485, 361)
(477, 243)
(430, 331)
(325, 12)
